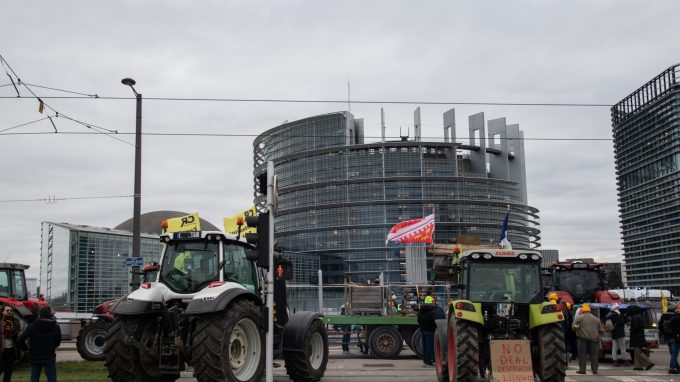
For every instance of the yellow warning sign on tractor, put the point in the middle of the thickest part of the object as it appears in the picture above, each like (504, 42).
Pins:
(231, 225)
(182, 223)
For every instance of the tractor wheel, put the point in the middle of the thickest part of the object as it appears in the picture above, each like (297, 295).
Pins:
(440, 349)
(128, 355)
(385, 342)
(417, 343)
(462, 351)
(229, 345)
(310, 365)
(552, 364)
(92, 340)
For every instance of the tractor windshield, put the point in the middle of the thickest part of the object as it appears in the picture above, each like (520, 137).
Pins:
(189, 266)
(499, 281)
(580, 283)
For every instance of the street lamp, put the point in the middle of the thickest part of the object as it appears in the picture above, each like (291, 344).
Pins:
(138, 171)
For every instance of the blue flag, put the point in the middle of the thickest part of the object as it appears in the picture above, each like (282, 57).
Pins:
(504, 242)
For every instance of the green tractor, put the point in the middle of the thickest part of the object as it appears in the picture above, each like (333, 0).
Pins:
(500, 327)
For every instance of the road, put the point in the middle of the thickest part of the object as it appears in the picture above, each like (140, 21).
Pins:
(355, 367)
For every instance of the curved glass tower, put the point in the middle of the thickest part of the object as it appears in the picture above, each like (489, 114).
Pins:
(339, 196)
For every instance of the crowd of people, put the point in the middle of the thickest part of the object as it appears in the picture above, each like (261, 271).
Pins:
(40, 338)
(583, 334)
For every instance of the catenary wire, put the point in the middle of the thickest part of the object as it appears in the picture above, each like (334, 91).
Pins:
(55, 199)
(282, 100)
(396, 138)
(90, 126)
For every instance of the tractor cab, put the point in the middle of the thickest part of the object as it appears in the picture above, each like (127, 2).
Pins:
(579, 282)
(13, 291)
(502, 276)
(193, 260)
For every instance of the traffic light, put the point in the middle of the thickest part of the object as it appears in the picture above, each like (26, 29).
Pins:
(261, 238)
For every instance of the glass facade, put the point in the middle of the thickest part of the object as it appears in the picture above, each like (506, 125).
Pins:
(338, 197)
(646, 129)
(81, 266)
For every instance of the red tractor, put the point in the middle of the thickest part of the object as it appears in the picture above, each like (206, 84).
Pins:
(92, 336)
(13, 293)
(579, 282)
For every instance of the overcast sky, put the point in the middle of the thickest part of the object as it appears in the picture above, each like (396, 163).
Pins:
(453, 51)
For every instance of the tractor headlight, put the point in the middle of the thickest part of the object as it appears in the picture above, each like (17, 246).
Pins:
(552, 308)
(523, 257)
(475, 256)
(465, 306)
(487, 256)
(535, 257)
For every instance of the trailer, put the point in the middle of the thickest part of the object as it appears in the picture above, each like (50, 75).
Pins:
(388, 314)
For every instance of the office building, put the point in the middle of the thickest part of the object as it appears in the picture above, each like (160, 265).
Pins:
(338, 196)
(646, 130)
(549, 256)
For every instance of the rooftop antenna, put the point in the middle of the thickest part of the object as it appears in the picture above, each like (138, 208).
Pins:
(349, 102)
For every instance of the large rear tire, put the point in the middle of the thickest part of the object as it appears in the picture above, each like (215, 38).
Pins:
(552, 365)
(417, 343)
(229, 345)
(310, 365)
(386, 342)
(92, 341)
(125, 360)
(463, 351)
(440, 352)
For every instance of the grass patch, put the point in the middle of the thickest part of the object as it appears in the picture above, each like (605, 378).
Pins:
(66, 372)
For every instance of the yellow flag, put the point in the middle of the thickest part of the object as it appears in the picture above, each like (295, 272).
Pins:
(184, 223)
(664, 303)
(41, 106)
(230, 225)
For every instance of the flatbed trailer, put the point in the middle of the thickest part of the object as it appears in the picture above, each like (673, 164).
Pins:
(385, 335)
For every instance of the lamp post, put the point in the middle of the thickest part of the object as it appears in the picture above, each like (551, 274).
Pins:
(138, 172)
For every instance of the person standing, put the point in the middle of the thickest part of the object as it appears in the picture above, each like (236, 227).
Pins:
(637, 339)
(45, 337)
(427, 325)
(346, 332)
(10, 331)
(618, 335)
(672, 335)
(589, 331)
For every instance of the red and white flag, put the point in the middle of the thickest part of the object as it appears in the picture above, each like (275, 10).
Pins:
(412, 231)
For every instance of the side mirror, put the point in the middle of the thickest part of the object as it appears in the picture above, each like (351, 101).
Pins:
(251, 255)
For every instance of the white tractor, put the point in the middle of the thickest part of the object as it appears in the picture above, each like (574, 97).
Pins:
(207, 310)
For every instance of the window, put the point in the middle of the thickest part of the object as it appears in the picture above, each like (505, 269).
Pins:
(19, 285)
(4, 283)
(189, 266)
(495, 281)
(238, 268)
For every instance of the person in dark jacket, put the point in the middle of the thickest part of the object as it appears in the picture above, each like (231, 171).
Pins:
(45, 337)
(426, 322)
(673, 338)
(618, 335)
(637, 339)
(8, 347)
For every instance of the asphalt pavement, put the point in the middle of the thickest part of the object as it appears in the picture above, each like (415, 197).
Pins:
(356, 367)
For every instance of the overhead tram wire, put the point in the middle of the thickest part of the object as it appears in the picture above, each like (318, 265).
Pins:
(99, 129)
(370, 102)
(55, 199)
(396, 139)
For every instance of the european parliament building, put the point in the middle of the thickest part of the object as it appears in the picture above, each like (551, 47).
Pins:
(339, 195)
(646, 129)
